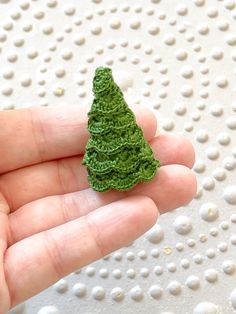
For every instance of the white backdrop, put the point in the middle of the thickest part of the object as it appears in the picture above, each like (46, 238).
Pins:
(177, 57)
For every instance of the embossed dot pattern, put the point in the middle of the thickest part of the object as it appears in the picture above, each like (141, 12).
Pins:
(177, 57)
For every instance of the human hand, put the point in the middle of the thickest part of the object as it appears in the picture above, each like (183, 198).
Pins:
(51, 222)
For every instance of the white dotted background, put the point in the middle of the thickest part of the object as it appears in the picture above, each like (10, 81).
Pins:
(179, 58)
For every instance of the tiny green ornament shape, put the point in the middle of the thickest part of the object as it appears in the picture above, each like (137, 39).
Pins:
(117, 156)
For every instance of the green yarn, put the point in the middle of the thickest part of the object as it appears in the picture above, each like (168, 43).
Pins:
(117, 155)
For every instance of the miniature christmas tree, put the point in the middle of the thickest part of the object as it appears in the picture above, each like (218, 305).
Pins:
(117, 155)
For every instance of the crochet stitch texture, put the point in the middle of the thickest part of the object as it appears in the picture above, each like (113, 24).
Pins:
(117, 155)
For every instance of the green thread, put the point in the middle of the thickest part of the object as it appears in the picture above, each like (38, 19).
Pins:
(117, 155)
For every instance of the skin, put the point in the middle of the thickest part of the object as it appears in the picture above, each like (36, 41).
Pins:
(51, 222)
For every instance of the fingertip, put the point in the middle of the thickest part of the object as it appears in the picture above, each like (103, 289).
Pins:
(181, 185)
(146, 119)
(173, 149)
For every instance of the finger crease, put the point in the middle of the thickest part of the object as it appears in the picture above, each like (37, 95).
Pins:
(40, 142)
(64, 208)
(53, 253)
(95, 233)
(60, 177)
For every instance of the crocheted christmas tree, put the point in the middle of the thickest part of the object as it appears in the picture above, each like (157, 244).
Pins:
(117, 155)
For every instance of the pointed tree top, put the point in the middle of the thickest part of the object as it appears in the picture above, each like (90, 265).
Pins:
(103, 80)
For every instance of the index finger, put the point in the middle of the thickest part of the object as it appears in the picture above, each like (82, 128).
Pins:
(38, 134)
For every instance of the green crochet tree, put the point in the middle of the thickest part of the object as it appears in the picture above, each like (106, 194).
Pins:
(117, 155)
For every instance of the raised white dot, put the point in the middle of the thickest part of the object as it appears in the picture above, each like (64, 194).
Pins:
(206, 308)
(103, 273)
(212, 152)
(69, 10)
(144, 272)
(49, 310)
(229, 163)
(211, 275)
(199, 3)
(174, 287)
(7, 73)
(213, 232)
(98, 293)
(153, 29)
(185, 263)
(219, 174)
(209, 212)
(60, 71)
(202, 136)
(212, 12)
(130, 256)
(8, 105)
(79, 39)
(216, 53)
(47, 29)
(134, 24)
(181, 9)
(231, 123)
(117, 273)
(180, 109)
(222, 247)
(210, 253)
(124, 79)
(188, 126)
(231, 39)
(169, 39)
(233, 239)
(155, 234)
(61, 286)
(192, 282)
(198, 259)
(233, 218)
(3, 37)
(208, 183)
(179, 246)
(7, 25)
(229, 4)
(38, 14)
(155, 291)
(233, 298)
(229, 194)
(221, 81)
(136, 293)
(181, 54)
(216, 110)
(115, 23)
(118, 256)
(203, 29)
(182, 224)
(131, 273)
(158, 270)
(18, 41)
(168, 124)
(186, 90)
(228, 267)
(31, 53)
(171, 267)
(25, 81)
(199, 166)
(90, 271)
(155, 253)
(27, 27)
(7, 90)
(117, 294)
(223, 138)
(223, 25)
(95, 29)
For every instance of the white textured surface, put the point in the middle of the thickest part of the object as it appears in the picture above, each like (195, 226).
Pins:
(179, 58)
